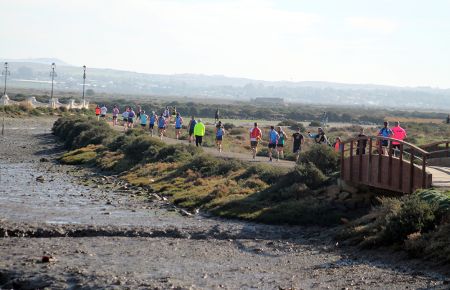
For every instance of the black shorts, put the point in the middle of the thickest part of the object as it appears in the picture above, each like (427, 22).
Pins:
(253, 144)
(125, 119)
(161, 128)
(143, 125)
(384, 143)
(130, 120)
(178, 128)
(191, 132)
(152, 126)
(297, 149)
(114, 117)
(103, 116)
(219, 138)
(280, 145)
(272, 145)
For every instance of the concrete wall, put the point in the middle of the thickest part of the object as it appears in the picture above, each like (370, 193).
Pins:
(53, 103)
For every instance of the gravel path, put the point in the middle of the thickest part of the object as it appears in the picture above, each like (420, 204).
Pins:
(99, 236)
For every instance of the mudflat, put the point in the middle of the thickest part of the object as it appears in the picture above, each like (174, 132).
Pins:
(72, 227)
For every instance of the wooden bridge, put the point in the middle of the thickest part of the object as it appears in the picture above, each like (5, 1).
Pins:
(404, 168)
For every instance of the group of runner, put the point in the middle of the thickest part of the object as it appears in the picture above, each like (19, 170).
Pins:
(276, 137)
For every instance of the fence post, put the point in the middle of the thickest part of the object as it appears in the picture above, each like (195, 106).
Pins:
(400, 178)
(370, 161)
(411, 171)
(351, 160)
(424, 170)
(342, 161)
(390, 164)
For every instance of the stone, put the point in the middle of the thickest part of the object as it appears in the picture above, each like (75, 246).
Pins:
(344, 195)
(40, 178)
(43, 159)
(333, 191)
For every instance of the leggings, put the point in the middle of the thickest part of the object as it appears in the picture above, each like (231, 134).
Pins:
(198, 140)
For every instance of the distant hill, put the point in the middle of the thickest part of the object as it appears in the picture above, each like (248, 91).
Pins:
(35, 74)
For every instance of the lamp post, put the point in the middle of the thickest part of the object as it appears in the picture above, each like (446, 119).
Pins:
(6, 73)
(53, 75)
(84, 81)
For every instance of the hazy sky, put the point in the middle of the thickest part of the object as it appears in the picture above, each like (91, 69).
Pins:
(398, 42)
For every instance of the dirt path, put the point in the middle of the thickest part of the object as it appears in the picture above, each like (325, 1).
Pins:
(104, 237)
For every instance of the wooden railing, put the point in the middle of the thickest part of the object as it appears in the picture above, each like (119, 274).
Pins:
(365, 160)
(438, 149)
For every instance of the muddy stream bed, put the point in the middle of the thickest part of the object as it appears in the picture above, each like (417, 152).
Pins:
(100, 234)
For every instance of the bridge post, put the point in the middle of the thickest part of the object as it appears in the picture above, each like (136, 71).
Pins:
(411, 172)
(351, 160)
(400, 178)
(342, 161)
(424, 172)
(369, 171)
(360, 151)
(390, 164)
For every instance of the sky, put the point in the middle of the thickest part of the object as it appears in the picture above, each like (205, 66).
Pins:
(391, 42)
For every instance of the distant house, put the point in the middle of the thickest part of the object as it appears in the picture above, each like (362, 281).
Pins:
(269, 101)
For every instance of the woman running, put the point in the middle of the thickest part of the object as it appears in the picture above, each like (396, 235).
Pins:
(273, 140)
(125, 118)
(178, 125)
(255, 137)
(97, 112)
(131, 116)
(161, 126)
(282, 137)
(220, 131)
(115, 113)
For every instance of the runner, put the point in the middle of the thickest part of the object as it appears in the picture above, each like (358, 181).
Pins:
(191, 127)
(337, 145)
(161, 126)
(199, 132)
(97, 112)
(273, 140)
(398, 133)
(386, 133)
(131, 116)
(125, 118)
(220, 131)
(178, 125)
(143, 117)
(103, 111)
(174, 112)
(255, 137)
(216, 116)
(320, 137)
(280, 145)
(362, 142)
(166, 114)
(115, 113)
(298, 142)
(153, 120)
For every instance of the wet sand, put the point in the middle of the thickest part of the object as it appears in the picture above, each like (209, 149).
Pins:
(104, 237)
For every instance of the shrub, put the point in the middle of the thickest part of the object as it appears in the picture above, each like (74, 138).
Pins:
(208, 165)
(268, 174)
(323, 157)
(293, 125)
(414, 216)
(142, 148)
(238, 131)
(228, 126)
(315, 124)
(176, 153)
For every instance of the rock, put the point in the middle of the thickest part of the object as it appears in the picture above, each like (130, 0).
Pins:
(40, 178)
(43, 159)
(344, 195)
(344, 220)
(333, 191)
(47, 259)
(185, 212)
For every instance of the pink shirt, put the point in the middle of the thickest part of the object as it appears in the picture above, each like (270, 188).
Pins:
(398, 133)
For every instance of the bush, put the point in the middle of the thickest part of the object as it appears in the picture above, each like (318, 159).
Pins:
(142, 147)
(228, 126)
(323, 157)
(293, 125)
(268, 174)
(315, 124)
(176, 153)
(414, 216)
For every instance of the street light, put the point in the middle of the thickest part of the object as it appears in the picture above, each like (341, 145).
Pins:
(53, 75)
(5, 73)
(84, 80)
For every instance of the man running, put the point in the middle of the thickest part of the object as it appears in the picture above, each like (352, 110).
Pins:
(299, 140)
(191, 127)
(143, 117)
(153, 120)
(280, 145)
(161, 126)
(97, 112)
(103, 111)
(216, 116)
(199, 132)
(220, 131)
(178, 125)
(273, 140)
(386, 133)
(255, 137)
(115, 113)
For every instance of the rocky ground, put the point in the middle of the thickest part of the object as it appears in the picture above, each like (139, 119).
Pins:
(67, 227)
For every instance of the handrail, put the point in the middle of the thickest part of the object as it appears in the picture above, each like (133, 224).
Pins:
(420, 150)
(435, 144)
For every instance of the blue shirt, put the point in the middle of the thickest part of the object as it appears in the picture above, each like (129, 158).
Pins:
(219, 132)
(152, 120)
(143, 118)
(273, 135)
(178, 122)
(193, 123)
(162, 122)
(386, 132)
